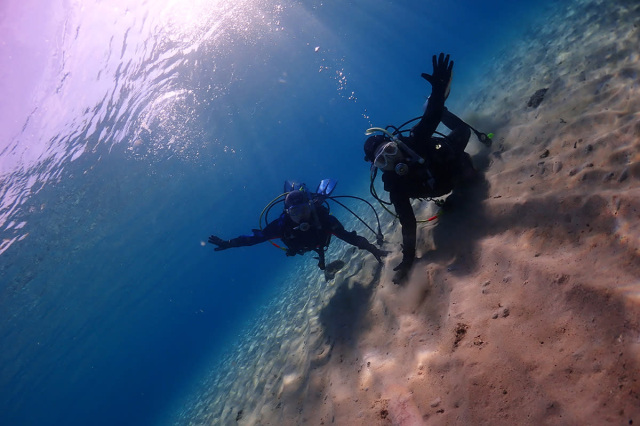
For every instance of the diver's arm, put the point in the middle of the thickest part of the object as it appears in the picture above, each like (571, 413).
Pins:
(460, 133)
(430, 119)
(452, 121)
(242, 241)
(272, 231)
(354, 239)
(440, 81)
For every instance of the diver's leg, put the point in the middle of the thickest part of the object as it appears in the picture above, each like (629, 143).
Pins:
(321, 264)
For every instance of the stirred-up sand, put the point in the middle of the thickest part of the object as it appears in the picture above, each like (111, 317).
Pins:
(525, 305)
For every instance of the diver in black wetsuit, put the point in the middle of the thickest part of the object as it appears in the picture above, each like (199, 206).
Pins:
(304, 225)
(420, 165)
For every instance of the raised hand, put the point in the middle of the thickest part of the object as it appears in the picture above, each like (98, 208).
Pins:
(441, 78)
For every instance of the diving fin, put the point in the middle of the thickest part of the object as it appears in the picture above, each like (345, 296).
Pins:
(326, 187)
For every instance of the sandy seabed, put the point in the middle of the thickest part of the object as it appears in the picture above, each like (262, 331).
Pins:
(525, 305)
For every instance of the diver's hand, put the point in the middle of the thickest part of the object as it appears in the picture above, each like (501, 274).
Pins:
(441, 78)
(222, 244)
(379, 254)
(402, 271)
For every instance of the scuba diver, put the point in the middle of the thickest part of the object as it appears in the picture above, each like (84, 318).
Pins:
(421, 165)
(305, 224)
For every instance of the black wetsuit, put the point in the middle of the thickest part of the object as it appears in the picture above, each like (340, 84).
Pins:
(316, 238)
(445, 162)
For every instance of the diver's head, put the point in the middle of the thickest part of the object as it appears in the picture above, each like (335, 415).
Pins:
(383, 152)
(297, 206)
(388, 156)
(371, 145)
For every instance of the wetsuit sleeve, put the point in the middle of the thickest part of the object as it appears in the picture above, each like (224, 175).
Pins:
(460, 131)
(407, 217)
(440, 82)
(272, 231)
(350, 237)
(430, 119)
(452, 121)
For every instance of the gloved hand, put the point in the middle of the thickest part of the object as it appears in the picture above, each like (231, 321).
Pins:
(222, 244)
(402, 271)
(379, 254)
(441, 78)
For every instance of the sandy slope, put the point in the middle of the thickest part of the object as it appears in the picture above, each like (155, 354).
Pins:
(525, 307)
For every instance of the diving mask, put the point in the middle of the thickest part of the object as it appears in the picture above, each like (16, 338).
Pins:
(387, 156)
(299, 213)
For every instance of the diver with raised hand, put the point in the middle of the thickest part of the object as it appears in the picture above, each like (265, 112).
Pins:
(304, 225)
(421, 165)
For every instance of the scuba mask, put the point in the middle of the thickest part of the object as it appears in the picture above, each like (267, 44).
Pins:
(386, 156)
(389, 158)
(299, 213)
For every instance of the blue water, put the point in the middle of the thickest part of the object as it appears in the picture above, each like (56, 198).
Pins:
(131, 131)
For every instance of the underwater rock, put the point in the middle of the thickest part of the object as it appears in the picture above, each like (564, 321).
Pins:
(557, 166)
(502, 312)
(460, 331)
(624, 175)
(537, 98)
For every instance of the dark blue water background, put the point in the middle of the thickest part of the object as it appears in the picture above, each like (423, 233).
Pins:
(132, 131)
